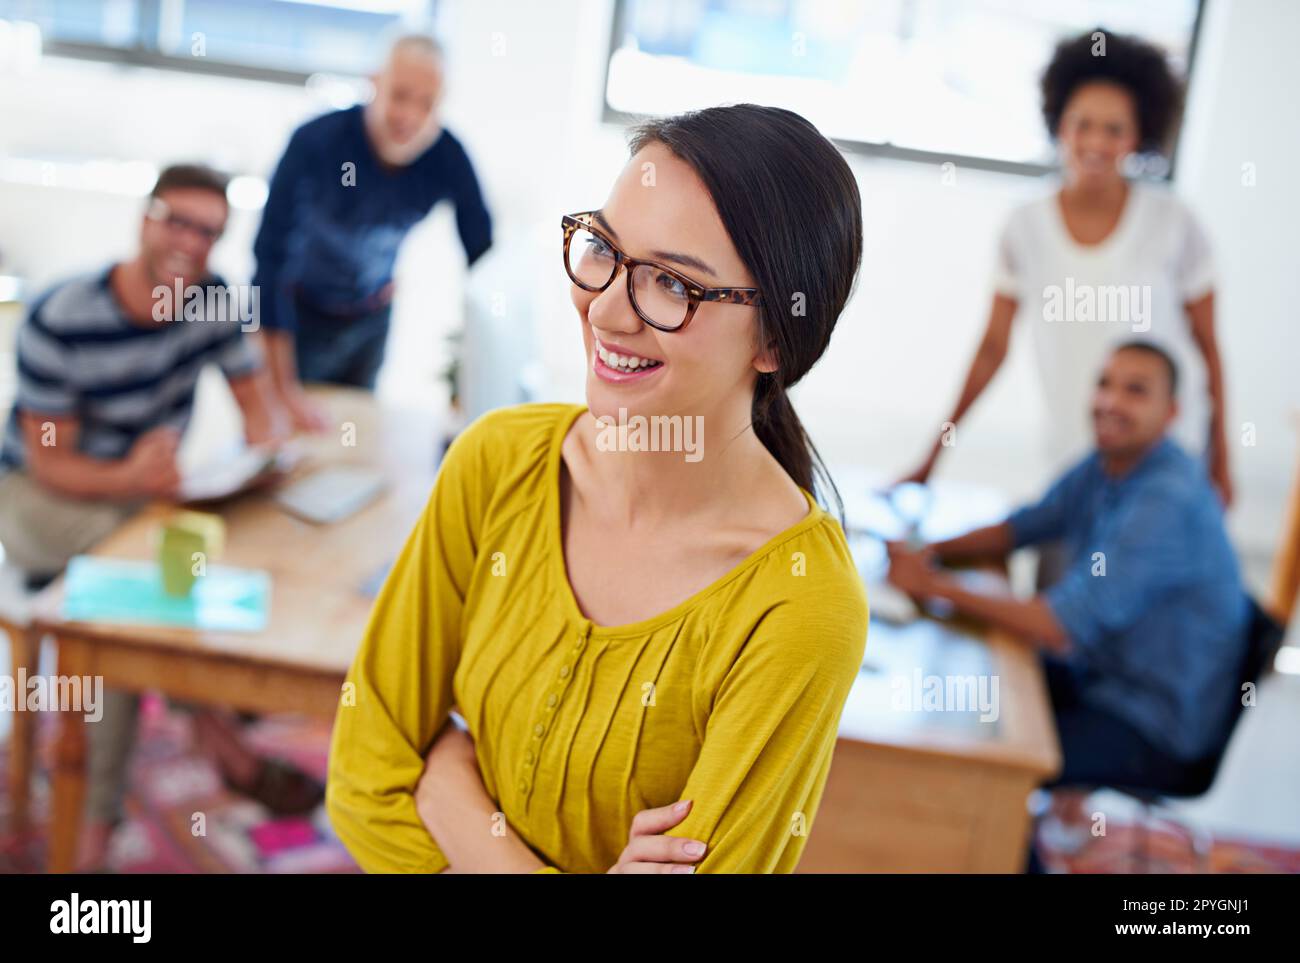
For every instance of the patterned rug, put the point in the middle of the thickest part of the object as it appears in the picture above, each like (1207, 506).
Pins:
(1167, 851)
(179, 816)
(171, 786)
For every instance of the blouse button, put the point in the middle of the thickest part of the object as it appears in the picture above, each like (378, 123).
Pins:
(523, 785)
(551, 700)
(528, 757)
(538, 730)
(564, 672)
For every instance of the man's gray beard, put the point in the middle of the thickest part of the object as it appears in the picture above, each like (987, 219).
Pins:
(400, 155)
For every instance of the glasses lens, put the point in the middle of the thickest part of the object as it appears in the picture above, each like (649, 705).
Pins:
(591, 260)
(206, 234)
(660, 296)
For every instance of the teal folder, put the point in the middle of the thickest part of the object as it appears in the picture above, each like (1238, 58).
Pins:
(125, 591)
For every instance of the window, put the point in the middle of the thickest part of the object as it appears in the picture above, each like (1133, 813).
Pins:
(925, 79)
(273, 39)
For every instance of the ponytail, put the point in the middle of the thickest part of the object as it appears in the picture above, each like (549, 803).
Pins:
(791, 207)
(778, 427)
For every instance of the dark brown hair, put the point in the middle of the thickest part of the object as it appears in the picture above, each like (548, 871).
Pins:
(191, 176)
(1155, 351)
(791, 207)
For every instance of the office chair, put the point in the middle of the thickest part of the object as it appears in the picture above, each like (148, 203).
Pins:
(1265, 632)
(1264, 636)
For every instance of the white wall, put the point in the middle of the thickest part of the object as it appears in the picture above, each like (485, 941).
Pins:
(902, 347)
(1242, 112)
(524, 95)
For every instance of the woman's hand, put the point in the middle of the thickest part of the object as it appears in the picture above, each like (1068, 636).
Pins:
(452, 752)
(649, 851)
(451, 762)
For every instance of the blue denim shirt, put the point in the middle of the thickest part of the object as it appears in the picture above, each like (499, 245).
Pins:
(335, 217)
(1151, 597)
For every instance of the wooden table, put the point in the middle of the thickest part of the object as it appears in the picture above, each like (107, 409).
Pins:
(318, 603)
(923, 791)
(926, 791)
(908, 791)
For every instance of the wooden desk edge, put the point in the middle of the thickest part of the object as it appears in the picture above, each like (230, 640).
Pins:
(85, 632)
(1030, 742)
(193, 677)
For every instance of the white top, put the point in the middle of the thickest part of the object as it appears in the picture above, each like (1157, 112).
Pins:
(1079, 300)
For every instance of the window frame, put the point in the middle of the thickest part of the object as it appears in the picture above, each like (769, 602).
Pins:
(877, 149)
(142, 54)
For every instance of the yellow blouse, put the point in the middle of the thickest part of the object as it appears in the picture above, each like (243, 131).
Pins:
(731, 698)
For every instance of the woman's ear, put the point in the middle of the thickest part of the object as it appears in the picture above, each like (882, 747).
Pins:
(766, 360)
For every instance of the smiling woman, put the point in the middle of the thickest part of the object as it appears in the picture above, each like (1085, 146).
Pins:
(603, 685)
(1129, 256)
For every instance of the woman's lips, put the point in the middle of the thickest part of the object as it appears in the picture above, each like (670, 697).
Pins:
(605, 373)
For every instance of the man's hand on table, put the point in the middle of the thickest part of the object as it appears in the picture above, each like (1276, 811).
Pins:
(150, 468)
(305, 412)
(912, 570)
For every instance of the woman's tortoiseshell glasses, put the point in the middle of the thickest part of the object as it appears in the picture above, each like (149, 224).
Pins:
(663, 297)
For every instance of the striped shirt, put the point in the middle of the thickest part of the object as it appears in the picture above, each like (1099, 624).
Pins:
(80, 356)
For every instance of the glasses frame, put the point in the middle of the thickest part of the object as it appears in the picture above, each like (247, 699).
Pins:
(160, 212)
(696, 293)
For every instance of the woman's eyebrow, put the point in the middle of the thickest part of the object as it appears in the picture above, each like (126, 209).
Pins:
(686, 259)
(603, 222)
(683, 259)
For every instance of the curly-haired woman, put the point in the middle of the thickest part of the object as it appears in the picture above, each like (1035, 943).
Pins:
(1102, 258)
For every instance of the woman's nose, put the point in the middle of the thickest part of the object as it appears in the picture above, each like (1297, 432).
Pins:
(612, 310)
(1096, 140)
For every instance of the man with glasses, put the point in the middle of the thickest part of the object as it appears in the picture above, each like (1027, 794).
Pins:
(349, 187)
(107, 369)
(108, 364)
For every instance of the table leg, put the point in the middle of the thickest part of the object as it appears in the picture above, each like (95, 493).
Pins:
(69, 781)
(23, 649)
(1286, 569)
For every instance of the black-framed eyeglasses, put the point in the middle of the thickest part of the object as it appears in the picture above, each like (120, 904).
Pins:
(661, 296)
(162, 213)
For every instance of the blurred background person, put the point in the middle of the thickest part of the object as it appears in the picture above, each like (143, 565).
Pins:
(106, 379)
(1143, 638)
(107, 372)
(349, 187)
(1105, 97)
(541, 95)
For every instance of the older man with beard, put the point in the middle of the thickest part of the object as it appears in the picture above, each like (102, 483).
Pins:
(350, 186)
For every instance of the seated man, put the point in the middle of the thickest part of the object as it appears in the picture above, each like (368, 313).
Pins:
(1145, 631)
(107, 369)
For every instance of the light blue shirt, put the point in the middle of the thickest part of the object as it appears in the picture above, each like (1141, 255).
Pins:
(1151, 598)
